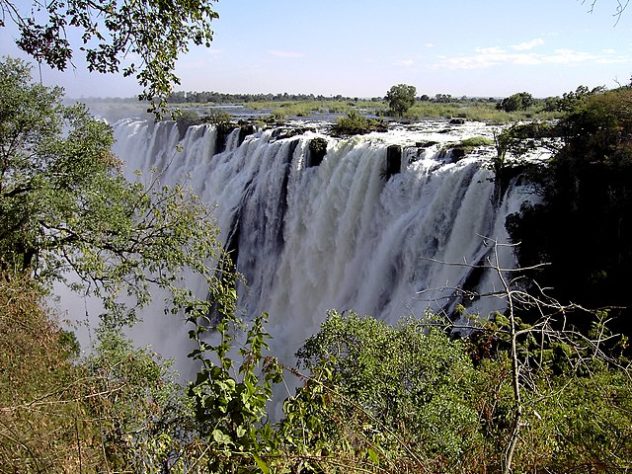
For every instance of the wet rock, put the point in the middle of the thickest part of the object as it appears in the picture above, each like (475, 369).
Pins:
(316, 151)
(393, 161)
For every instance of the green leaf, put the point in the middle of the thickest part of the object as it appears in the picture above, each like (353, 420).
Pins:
(265, 469)
(220, 437)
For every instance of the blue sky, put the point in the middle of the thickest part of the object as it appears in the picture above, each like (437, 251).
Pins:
(361, 48)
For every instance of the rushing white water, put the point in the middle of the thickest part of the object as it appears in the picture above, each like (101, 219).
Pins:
(339, 235)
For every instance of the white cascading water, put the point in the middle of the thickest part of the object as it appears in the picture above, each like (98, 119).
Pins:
(338, 235)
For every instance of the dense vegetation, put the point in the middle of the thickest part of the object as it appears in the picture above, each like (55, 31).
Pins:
(583, 226)
(512, 397)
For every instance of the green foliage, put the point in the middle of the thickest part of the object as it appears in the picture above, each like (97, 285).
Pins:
(217, 117)
(118, 409)
(144, 418)
(65, 206)
(400, 98)
(318, 146)
(356, 124)
(230, 409)
(519, 101)
(155, 32)
(599, 129)
(437, 404)
(570, 100)
(317, 150)
(587, 193)
(477, 141)
(413, 388)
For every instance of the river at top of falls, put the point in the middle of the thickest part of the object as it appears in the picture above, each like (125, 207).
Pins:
(342, 235)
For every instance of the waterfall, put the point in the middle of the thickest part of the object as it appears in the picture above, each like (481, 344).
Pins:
(342, 234)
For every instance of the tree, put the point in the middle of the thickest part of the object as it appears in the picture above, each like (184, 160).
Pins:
(155, 32)
(519, 101)
(400, 98)
(65, 206)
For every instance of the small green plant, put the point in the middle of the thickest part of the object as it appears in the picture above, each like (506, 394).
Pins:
(317, 151)
(230, 408)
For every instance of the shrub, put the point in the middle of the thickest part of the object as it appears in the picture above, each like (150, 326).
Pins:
(317, 150)
(356, 124)
(422, 391)
(119, 408)
(217, 117)
(519, 101)
(441, 404)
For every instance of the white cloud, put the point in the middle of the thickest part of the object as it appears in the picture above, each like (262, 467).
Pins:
(495, 51)
(429, 45)
(488, 57)
(528, 45)
(569, 56)
(405, 62)
(285, 54)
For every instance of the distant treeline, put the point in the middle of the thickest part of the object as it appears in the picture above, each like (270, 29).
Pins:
(221, 98)
(517, 101)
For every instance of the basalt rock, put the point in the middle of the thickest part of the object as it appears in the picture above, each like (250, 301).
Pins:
(316, 151)
(393, 161)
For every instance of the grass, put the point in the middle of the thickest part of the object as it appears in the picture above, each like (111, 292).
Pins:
(473, 111)
(481, 111)
(468, 145)
(307, 108)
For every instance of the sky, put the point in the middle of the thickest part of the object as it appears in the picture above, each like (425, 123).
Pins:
(360, 48)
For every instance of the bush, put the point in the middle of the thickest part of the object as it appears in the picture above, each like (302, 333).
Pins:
(519, 101)
(442, 404)
(476, 142)
(422, 391)
(217, 117)
(119, 408)
(356, 124)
